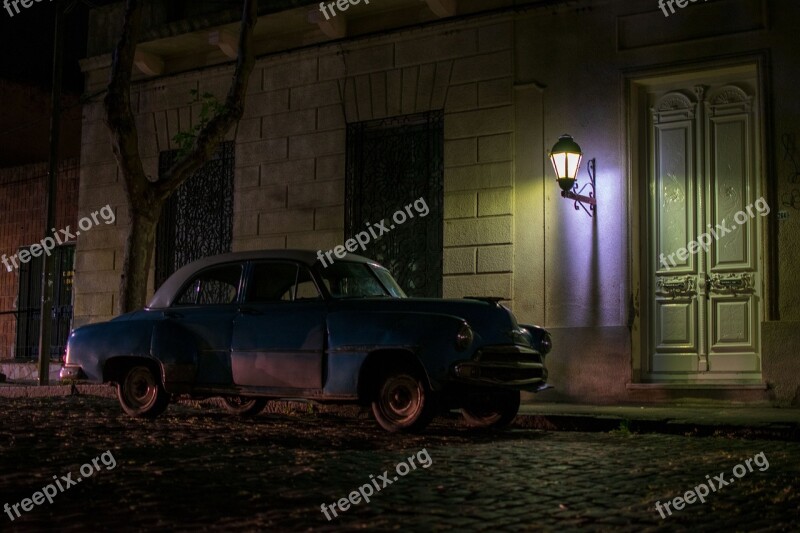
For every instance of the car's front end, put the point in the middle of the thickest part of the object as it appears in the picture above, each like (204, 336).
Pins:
(463, 344)
(496, 359)
(512, 366)
(498, 352)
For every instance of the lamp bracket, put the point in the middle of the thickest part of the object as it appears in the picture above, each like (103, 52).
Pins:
(577, 194)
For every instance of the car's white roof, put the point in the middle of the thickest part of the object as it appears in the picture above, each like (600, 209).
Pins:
(165, 294)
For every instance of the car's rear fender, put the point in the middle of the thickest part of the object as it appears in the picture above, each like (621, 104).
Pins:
(176, 348)
(105, 350)
(94, 345)
(116, 367)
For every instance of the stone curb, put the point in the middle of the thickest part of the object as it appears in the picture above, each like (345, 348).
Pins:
(17, 390)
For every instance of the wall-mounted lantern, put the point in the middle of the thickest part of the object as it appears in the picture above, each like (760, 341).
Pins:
(566, 157)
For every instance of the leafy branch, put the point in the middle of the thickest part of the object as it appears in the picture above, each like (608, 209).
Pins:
(210, 106)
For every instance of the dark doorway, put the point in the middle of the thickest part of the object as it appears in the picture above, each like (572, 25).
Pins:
(29, 304)
(390, 164)
(197, 220)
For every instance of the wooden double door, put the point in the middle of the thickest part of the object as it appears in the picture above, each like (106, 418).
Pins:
(705, 215)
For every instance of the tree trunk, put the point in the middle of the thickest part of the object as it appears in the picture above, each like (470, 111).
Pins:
(139, 251)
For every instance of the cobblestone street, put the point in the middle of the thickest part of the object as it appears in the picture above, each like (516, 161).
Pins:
(198, 467)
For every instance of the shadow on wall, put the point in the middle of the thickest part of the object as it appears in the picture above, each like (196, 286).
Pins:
(781, 362)
(594, 276)
(587, 365)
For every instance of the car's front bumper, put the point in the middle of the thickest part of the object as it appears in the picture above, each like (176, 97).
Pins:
(516, 367)
(71, 372)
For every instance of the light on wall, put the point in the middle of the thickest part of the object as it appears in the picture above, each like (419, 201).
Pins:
(566, 157)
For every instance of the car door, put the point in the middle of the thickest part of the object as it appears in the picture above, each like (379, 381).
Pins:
(206, 308)
(279, 334)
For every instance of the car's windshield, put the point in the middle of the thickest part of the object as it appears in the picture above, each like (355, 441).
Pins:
(388, 281)
(344, 279)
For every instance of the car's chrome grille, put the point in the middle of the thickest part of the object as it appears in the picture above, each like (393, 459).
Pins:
(508, 356)
(510, 374)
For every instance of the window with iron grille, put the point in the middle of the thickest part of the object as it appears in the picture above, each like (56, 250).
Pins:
(390, 163)
(197, 220)
(29, 304)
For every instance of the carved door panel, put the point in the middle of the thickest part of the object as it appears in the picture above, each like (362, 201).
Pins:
(705, 216)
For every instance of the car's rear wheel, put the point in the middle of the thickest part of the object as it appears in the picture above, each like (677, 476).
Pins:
(403, 402)
(242, 406)
(495, 409)
(141, 393)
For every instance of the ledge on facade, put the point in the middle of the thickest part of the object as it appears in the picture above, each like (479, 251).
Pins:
(696, 386)
(172, 32)
(177, 18)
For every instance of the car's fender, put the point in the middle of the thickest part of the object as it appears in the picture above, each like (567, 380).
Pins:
(176, 348)
(94, 345)
(354, 336)
(164, 343)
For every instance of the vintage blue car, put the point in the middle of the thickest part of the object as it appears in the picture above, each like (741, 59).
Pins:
(254, 326)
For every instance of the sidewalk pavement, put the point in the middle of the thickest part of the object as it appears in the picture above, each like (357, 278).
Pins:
(695, 419)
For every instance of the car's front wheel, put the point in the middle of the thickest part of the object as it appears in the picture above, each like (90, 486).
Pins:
(494, 409)
(141, 393)
(403, 402)
(239, 405)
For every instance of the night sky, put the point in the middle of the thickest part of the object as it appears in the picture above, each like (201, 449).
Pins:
(27, 43)
(26, 63)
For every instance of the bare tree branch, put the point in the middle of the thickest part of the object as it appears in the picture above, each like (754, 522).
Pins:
(214, 132)
(117, 103)
(146, 198)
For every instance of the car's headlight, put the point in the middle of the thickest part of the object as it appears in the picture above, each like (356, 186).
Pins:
(520, 337)
(546, 343)
(464, 337)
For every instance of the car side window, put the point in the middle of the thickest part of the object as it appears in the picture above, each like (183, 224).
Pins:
(213, 286)
(306, 288)
(276, 282)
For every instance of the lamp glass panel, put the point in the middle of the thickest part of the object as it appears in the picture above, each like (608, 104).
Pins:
(565, 164)
(573, 163)
(559, 161)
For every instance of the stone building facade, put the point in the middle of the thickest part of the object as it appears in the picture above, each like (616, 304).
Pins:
(643, 93)
(24, 130)
(22, 223)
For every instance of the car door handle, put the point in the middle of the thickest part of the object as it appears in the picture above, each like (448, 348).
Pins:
(172, 314)
(249, 311)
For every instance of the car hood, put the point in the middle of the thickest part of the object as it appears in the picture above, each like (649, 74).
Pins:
(492, 321)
